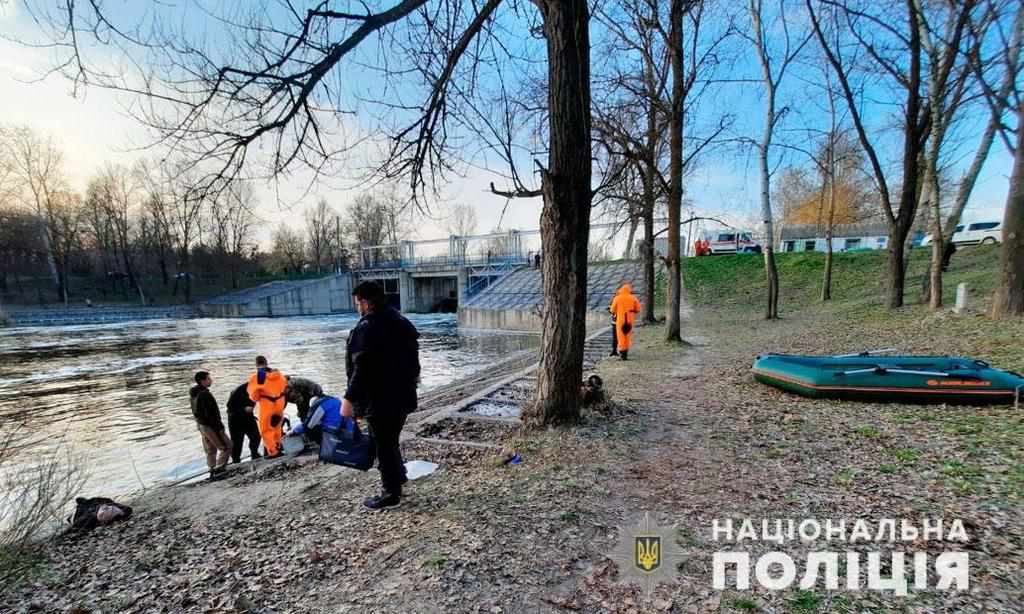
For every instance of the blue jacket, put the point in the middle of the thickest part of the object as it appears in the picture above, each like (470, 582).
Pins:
(325, 414)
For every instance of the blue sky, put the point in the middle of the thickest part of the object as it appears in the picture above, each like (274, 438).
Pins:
(93, 129)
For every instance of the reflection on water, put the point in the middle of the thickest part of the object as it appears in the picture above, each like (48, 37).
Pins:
(119, 392)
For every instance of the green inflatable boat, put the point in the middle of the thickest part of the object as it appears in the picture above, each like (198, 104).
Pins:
(899, 379)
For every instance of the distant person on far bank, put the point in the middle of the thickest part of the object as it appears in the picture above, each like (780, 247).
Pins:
(216, 443)
(242, 423)
(383, 368)
(624, 308)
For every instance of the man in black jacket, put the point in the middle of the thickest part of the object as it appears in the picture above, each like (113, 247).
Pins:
(383, 368)
(242, 423)
(216, 443)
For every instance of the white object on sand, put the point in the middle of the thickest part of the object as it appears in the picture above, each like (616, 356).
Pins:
(417, 469)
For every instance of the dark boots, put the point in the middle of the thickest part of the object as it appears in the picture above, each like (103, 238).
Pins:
(383, 500)
(624, 354)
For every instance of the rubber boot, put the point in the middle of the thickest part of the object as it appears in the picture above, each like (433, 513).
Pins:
(624, 354)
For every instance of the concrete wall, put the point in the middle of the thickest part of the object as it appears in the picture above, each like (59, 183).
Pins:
(518, 319)
(318, 297)
(430, 291)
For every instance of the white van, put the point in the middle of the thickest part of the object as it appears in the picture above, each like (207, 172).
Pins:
(731, 242)
(975, 233)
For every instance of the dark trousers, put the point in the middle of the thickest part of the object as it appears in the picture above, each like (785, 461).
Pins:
(386, 430)
(615, 338)
(244, 425)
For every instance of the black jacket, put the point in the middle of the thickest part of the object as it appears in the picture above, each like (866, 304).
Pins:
(382, 363)
(238, 401)
(204, 407)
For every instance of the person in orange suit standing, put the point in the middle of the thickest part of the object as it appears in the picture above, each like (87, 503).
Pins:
(266, 388)
(624, 308)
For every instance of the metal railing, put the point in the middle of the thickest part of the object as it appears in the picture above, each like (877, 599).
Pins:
(499, 260)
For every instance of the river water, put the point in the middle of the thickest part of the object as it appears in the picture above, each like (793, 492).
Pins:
(117, 394)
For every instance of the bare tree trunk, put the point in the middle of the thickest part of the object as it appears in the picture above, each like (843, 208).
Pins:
(633, 223)
(897, 271)
(675, 193)
(163, 266)
(1009, 297)
(565, 218)
(938, 244)
(132, 282)
(826, 284)
(967, 184)
(771, 271)
(770, 84)
(51, 261)
(649, 197)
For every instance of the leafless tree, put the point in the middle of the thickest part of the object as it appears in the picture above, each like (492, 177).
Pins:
(20, 243)
(100, 227)
(774, 63)
(177, 199)
(116, 192)
(232, 221)
(290, 249)
(375, 221)
(990, 14)
(34, 496)
(319, 231)
(64, 220)
(274, 81)
(36, 164)
(636, 125)
(462, 220)
(998, 69)
(157, 218)
(943, 29)
(886, 47)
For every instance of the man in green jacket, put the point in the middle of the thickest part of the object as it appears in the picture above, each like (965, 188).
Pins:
(299, 392)
(216, 442)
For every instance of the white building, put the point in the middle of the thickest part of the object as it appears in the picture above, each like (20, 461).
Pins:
(845, 237)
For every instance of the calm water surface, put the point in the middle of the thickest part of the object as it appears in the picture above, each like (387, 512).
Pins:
(118, 393)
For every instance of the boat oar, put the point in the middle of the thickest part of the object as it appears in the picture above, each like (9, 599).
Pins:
(866, 353)
(880, 370)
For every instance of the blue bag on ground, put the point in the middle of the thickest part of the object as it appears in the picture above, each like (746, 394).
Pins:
(348, 446)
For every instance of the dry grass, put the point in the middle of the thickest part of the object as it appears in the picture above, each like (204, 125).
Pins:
(34, 499)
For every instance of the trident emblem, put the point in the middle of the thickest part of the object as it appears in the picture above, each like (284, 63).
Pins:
(648, 552)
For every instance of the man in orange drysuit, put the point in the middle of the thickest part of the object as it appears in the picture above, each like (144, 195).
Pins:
(266, 388)
(624, 308)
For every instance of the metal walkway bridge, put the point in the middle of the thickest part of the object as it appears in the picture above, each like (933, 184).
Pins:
(439, 274)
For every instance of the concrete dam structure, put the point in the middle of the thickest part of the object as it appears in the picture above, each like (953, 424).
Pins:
(514, 302)
(492, 280)
(322, 296)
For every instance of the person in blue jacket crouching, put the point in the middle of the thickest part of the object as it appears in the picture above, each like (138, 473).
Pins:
(324, 412)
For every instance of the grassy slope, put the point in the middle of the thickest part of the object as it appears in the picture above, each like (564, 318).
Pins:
(739, 280)
(868, 459)
(733, 287)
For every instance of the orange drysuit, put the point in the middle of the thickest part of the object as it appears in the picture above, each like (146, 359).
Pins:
(624, 306)
(266, 387)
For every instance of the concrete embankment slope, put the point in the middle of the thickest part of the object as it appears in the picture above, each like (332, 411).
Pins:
(322, 296)
(514, 302)
(94, 315)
